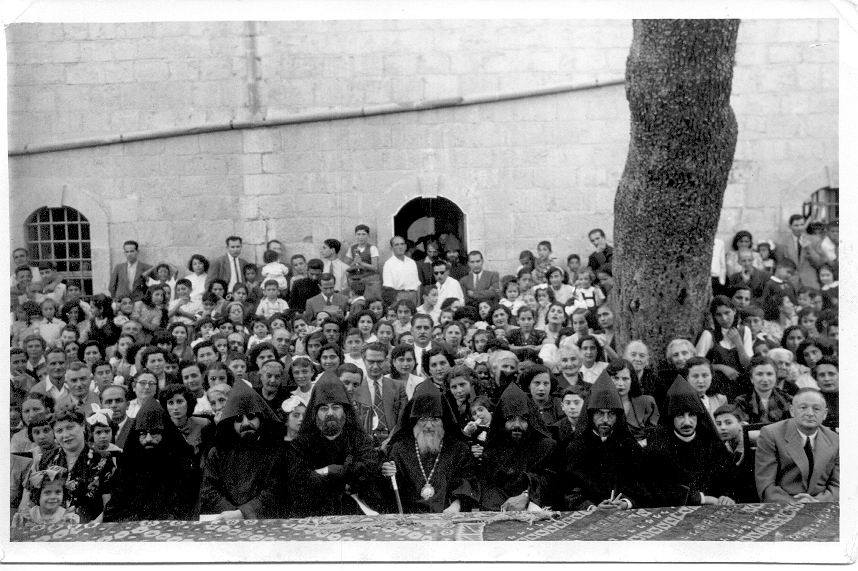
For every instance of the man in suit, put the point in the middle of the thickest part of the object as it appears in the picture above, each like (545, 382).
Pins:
(386, 396)
(798, 459)
(327, 300)
(127, 278)
(480, 285)
(115, 397)
(229, 267)
(424, 266)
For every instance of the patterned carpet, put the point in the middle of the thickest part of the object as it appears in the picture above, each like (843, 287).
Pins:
(748, 522)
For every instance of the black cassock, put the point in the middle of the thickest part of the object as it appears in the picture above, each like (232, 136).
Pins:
(508, 470)
(454, 477)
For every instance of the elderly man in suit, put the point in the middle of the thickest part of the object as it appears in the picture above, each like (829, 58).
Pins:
(798, 459)
(127, 278)
(229, 267)
(480, 285)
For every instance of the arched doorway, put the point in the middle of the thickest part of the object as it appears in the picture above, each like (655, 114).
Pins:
(422, 218)
(61, 235)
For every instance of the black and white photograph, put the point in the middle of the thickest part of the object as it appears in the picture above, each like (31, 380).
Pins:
(550, 282)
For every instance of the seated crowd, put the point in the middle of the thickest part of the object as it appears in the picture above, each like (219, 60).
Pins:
(339, 385)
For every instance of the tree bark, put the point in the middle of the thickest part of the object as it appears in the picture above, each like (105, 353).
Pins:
(683, 136)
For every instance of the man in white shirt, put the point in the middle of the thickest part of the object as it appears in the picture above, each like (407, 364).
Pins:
(447, 287)
(53, 383)
(330, 252)
(400, 272)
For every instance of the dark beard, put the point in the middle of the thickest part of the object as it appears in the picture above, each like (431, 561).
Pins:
(331, 425)
(249, 435)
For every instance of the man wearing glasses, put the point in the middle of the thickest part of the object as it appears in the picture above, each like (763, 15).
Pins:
(798, 459)
(447, 287)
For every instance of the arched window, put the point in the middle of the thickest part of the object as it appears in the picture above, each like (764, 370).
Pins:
(61, 235)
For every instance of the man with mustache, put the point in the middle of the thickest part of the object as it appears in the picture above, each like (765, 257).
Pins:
(237, 468)
(602, 465)
(516, 466)
(430, 458)
(331, 459)
(688, 465)
(155, 477)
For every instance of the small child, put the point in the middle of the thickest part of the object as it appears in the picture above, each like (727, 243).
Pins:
(182, 309)
(260, 333)
(46, 489)
(478, 429)
(510, 297)
(753, 316)
(102, 430)
(302, 375)
(573, 266)
(352, 346)
(274, 269)
(50, 327)
(237, 364)
(357, 301)
(592, 296)
(205, 329)
(830, 286)
(766, 249)
(544, 257)
(779, 284)
(271, 302)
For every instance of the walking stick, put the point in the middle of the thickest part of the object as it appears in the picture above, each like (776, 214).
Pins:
(396, 492)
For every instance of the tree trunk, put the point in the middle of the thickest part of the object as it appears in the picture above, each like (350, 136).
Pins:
(683, 135)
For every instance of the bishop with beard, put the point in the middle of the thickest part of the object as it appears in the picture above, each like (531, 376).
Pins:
(430, 458)
(516, 466)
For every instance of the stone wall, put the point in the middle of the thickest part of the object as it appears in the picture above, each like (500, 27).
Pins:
(522, 170)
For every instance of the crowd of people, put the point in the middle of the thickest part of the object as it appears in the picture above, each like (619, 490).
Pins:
(428, 383)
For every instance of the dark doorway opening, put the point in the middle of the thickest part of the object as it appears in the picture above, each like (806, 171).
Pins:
(421, 219)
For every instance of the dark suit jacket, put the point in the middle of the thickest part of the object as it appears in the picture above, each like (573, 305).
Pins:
(302, 290)
(317, 303)
(424, 270)
(781, 465)
(122, 435)
(220, 269)
(393, 398)
(488, 288)
(119, 285)
(756, 283)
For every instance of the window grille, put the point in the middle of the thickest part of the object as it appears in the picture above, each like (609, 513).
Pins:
(61, 235)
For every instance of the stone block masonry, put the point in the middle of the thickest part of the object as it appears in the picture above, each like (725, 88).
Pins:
(520, 170)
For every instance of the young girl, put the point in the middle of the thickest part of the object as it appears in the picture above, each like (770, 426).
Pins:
(364, 321)
(47, 492)
(34, 404)
(150, 312)
(555, 317)
(481, 418)
(198, 265)
(50, 326)
(511, 298)
(641, 411)
(478, 342)
(218, 288)
(454, 335)
(460, 392)
(384, 332)
(377, 307)
(294, 410)
(563, 292)
(164, 275)
(404, 312)
(73, 314)
(729, 345)
(526, 335)
(544, 297)
(829, 285)
(102, 430)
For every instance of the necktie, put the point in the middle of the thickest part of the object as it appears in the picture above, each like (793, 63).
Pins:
(237, 271)
(808, 451)
(798, 248)
(376, 404)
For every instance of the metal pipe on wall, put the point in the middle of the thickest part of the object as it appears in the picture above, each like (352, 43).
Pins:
(309, 117)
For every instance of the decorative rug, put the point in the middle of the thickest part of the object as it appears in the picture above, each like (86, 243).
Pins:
(746, 522)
